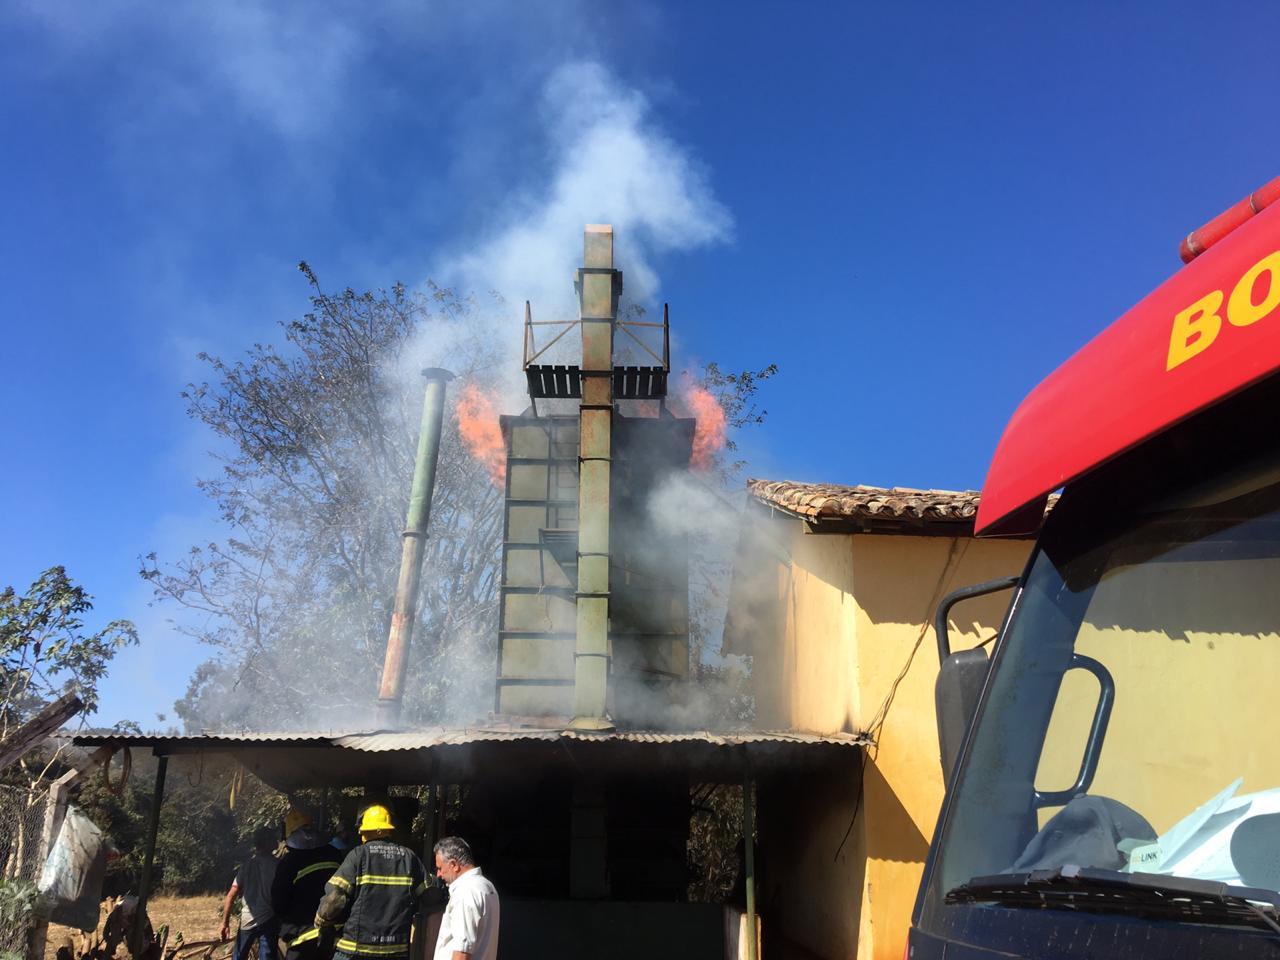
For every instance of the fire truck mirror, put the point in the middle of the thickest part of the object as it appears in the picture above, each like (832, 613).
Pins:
(956, 694)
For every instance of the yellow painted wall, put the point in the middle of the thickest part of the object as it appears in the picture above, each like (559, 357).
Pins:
(1160, 755)
(898, 582)
(849, 610)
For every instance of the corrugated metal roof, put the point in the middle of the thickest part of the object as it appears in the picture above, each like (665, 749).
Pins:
(821, 501)
(499, 752)
(184, 742)
(426, 739)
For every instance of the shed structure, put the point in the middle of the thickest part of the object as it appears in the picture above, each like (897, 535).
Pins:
(519, 790)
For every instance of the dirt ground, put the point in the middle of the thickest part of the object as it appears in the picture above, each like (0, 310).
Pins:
(196, 918)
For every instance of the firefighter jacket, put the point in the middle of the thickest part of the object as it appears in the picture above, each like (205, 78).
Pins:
(299, 885)
(374, 895)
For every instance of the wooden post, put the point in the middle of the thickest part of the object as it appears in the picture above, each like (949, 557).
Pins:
(39, 728)
(144, 887)
(432, 824)
(420, 947)
(749, 865)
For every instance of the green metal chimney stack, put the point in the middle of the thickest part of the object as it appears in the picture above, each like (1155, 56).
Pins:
(599, 286)
(594, 600)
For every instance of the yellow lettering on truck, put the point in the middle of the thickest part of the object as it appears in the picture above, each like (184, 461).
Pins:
(1194, 329)
(1241, 310)
(1197, 327)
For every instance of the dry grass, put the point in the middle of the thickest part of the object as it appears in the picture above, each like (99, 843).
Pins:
(196, 918)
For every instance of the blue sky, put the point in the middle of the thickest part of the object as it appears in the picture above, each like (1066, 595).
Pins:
(915, 210)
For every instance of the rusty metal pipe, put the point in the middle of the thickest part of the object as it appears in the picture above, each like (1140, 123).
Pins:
(391, 690)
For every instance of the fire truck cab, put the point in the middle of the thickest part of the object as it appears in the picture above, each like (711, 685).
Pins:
(1113, 790)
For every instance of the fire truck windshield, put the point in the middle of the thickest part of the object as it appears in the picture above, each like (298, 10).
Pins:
(1129, 716)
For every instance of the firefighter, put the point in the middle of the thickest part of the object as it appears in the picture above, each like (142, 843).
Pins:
(374, 894)
(307, 865)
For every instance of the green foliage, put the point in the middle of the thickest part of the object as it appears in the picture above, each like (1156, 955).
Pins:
(17, 904)
(201, 839)
(45, 646)
(715, 851)
(737, 395)
(189, 862)
(123, 818)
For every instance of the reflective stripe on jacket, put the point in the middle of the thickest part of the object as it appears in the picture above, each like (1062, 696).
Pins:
(299, 885)
(305, 937)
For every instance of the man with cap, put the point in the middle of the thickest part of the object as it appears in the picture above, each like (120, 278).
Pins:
(308, 863)
(375, 894)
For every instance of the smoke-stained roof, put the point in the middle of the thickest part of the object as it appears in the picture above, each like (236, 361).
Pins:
(876, 509)
(291, 761)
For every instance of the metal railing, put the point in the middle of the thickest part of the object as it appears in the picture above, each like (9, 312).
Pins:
(533, 353)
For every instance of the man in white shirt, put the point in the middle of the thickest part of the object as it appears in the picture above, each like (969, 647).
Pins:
(469, 928)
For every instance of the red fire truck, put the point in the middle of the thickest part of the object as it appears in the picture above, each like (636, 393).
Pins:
(1113, 787)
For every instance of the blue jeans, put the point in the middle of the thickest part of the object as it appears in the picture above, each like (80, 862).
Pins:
(266, 937)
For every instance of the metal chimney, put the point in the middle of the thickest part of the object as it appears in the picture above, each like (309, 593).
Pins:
(391, 690)
(599, 286)
(594, 615)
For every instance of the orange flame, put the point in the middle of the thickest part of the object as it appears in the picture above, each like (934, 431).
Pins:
(709, 434)
(645, 408)
(481, 431)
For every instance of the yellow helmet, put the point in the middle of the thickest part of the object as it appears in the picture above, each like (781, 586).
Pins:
(376, 817)
(295, 819)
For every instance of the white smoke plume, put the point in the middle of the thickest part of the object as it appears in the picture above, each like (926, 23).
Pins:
(611, 164)
(684, 505)
(697, 511)
(609, 161)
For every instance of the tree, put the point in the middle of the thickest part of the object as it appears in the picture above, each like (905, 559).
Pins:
(318, 445)
(44, 647)
(201, 837)
(736, 393)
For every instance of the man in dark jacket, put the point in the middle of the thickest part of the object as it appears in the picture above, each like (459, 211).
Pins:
(306, 867)
(374, 894)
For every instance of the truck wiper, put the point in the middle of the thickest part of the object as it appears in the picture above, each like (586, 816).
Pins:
(1145, 894)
